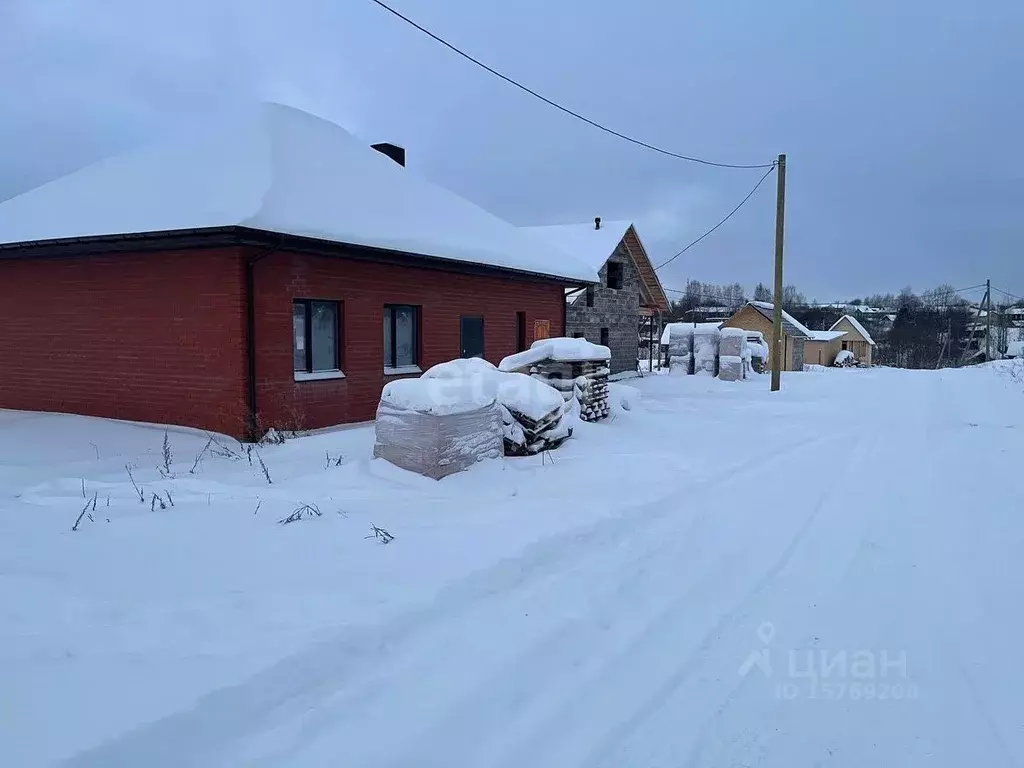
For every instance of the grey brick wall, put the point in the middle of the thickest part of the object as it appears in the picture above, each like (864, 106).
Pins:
(617, 310)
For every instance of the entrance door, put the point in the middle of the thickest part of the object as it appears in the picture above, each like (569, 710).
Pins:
(472, 337)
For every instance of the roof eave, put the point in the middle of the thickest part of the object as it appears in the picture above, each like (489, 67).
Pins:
(212, 237)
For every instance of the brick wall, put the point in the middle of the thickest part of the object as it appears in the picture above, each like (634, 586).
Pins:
(147, 337)
(161, 336)
(618, 310)
(364, 288)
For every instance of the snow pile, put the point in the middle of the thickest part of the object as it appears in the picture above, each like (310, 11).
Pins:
(732, 351)
(561, 349)
(439, 397)
(679, 337)
(460, 368)
(435, 428)
(623, 397)
(758, 351)
(475, 379)
(1015, 349)
(844, 359)
(705, 350)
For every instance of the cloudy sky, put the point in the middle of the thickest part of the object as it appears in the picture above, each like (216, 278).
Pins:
(903, 120)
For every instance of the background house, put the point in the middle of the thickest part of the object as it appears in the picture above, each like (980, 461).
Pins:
(261, 269)
(855, 338)
(628, 301)
(757, 316)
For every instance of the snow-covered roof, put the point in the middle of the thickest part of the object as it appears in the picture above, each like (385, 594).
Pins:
(857, 326)
(790, 324)
(826, 335)
(585, 242)
(278, 169)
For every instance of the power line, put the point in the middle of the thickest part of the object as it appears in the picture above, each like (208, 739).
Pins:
(555, 104)
(1007, 293)
(727, 217)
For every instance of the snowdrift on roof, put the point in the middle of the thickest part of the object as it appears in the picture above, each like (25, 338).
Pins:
(278, 169)
(584, 242)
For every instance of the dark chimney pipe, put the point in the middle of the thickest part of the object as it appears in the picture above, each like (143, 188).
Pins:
(393, 151)
(597, 222)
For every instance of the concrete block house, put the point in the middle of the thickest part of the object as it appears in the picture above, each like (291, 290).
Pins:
(628, 300)
(261, 269)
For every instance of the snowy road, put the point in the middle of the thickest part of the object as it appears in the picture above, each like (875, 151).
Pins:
(842, 588)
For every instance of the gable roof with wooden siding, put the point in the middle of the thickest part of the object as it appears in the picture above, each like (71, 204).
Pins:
(849, 323)
(790, 325)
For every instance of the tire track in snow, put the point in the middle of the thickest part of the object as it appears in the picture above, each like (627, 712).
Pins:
(602, 754)
(860, 455)
(299, 682)
(564, 657)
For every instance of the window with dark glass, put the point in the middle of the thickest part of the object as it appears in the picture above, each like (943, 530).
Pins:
(590, 296)
(604, 337)
(472, 337)
(316, 327)
(614, 274)
(401, 335)
(520, 331)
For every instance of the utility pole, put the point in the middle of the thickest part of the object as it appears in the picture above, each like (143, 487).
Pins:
(780, 219)
(988, 320)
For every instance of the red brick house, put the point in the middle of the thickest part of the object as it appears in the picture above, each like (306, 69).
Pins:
(265, 269)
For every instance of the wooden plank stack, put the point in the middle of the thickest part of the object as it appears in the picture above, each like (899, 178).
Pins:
(533, 436)
(586, 381)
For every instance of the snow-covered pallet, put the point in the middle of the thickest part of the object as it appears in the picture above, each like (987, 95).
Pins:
(415, 435)
(575, 367)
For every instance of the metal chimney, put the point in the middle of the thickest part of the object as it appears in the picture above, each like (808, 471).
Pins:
(393, 151)
(597, 222)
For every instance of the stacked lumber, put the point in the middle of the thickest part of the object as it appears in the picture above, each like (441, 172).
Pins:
(575, 368)
(526, 437)
(585, 381)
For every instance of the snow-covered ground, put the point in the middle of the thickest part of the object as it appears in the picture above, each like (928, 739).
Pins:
(718, 576)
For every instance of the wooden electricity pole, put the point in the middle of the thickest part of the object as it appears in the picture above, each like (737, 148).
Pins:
(780, 219)
(988, 320)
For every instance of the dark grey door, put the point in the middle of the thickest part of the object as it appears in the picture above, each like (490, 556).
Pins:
(472, 337)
